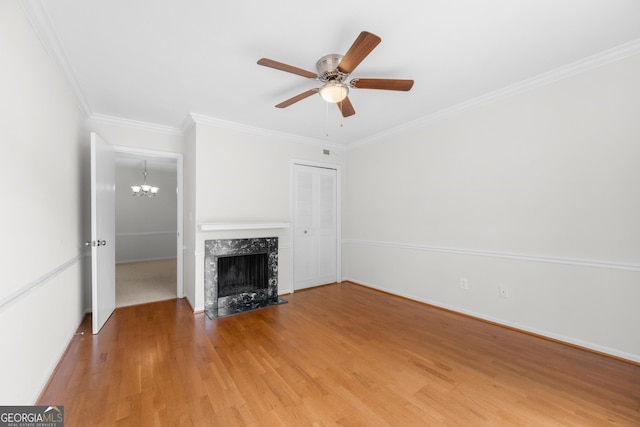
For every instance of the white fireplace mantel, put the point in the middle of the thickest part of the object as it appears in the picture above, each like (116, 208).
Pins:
(242, 226)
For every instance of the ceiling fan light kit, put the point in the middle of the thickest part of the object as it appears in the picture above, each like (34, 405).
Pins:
(334, 92)
(333, 70)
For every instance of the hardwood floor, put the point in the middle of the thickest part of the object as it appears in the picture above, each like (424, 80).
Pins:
(334, 355)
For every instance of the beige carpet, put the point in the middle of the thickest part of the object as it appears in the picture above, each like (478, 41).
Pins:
(142, 282)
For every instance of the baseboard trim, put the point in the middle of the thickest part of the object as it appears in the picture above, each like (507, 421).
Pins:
(570, 342)
(286, 291)
(503, 255)
(76, 333)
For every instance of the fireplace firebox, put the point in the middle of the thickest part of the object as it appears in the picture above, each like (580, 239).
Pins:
(240, 275)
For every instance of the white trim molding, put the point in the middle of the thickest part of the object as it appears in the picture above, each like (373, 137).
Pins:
(242, 226)
(136, 124)
(41, 23)
(179, 158)
(24, 290)
(517, 326)
(603, 58)
(504, 255)
(194, 118)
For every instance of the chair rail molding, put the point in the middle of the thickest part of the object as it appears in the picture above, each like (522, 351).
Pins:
(505, 255)
(24, 290)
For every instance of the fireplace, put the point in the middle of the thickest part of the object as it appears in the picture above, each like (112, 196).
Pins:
(240, 275)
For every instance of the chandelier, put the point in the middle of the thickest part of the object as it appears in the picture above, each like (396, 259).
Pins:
(144, 190)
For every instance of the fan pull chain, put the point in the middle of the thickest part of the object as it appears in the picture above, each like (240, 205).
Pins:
(326, 118)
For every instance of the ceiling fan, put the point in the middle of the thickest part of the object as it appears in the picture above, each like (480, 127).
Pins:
(333, 70)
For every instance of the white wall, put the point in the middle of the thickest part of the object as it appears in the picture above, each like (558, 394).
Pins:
(145, 226)
(538, 192)
(244, 177)
(43, 214)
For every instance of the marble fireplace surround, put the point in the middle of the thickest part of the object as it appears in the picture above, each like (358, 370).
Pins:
(214, 249)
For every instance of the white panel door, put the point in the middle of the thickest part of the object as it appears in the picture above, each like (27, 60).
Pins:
(103, 241)
(315, 226)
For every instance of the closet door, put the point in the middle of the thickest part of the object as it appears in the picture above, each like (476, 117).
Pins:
(315, 226)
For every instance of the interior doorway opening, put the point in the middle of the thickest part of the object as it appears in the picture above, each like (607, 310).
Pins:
(148, 229)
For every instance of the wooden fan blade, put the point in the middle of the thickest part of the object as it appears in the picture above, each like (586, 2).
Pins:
(346, 108)
(384, 84)
(297, 98)
(359, 50)
(288, 68)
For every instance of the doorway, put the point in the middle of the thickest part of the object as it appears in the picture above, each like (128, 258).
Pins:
(148, 229)
(316, 231)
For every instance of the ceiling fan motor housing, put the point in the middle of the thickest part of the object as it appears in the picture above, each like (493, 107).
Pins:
(327, 67)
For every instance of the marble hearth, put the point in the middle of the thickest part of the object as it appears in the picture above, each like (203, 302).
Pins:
(227, 288)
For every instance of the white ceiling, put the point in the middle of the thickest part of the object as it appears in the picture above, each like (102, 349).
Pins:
(156, 61)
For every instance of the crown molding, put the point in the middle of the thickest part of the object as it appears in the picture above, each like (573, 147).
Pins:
(41, 23)
(195, 118)
(603, 58)
(45, 31)
(136, 124)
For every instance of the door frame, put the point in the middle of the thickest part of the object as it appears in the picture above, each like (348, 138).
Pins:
(322, 165)
(180, 202)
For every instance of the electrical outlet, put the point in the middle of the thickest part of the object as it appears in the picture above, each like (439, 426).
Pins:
(504, 292)
(464, 283)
